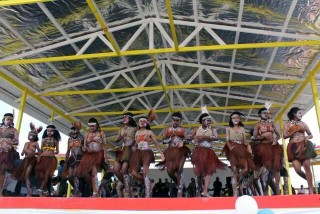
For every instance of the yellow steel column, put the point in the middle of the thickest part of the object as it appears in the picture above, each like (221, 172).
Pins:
(52, 117)
(21, 110)
(314, 178)
(281, 186)
(171, 22)
(161, 82)
(315, 97)
(317, 107)
(284, 145)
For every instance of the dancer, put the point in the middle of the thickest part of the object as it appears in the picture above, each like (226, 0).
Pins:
(203, 158)
(143, 155)
(74, 155)
(94, 154)
(268, 153)
(300, 149)
(177, 152)
(28, 164)
(46, 160)
(9, 137)
(126, 136)
(237, 149)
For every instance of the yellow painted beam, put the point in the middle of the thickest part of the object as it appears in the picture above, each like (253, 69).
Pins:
(171, 87)
(161, 82)
(171, 23)
(300, 89)
(34, 96)
(102, 91)
(162, 50)
(226, 84)
(166, 110)
(21, 110)
(20, 2)
(103, 25)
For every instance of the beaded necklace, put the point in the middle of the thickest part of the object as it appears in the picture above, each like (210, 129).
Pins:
(296, 122)
(265, 122)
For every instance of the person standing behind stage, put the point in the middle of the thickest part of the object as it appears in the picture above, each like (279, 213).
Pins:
(237, 149)
(300, 149)
(126, 136)
(9, 137)
(46, 160)
(144, 156)
(217, 186)
(94, 155)
(204, 158)
(177, 152)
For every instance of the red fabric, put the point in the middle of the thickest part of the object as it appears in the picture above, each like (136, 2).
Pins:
(20, 172)
(239, 156)
(90, 159)
(46, 164)
(205, 161)
(7, 160)
(173, 156)
(268, 155)
(296, 151)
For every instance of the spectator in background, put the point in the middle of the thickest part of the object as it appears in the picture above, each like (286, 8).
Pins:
(166, 188)
(158, 189)
(63, 186)
(192, 188)
(301, 191)
(319, 188)
(217, 185)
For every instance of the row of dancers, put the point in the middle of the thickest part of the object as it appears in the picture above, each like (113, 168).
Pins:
(87, 155)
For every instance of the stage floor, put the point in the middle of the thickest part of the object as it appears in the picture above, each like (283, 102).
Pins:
(277, 204)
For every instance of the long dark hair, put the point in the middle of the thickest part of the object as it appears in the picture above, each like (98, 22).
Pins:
(237, 113)
(56, 134)
(131, 122)
(292, 111)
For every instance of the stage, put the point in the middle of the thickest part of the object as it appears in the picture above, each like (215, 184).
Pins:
(277, 204)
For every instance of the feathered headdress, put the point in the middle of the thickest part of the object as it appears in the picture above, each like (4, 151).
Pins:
(34, 130)
(76, 125)
(151, 116)
(204, 110)
(267, 105)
